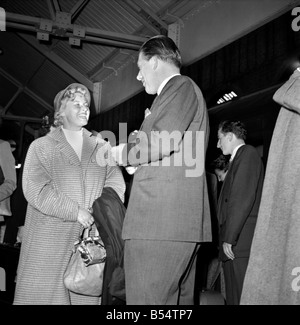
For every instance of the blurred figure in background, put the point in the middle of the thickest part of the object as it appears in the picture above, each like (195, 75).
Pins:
(8, 183)
(238, 205)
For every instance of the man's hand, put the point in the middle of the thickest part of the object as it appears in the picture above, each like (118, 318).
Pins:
(132, 136)
(227, 248)
(131, 169)
(116, 153)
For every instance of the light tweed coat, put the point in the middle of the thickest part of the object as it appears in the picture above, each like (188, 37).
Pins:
(56, 184)
(272, 277)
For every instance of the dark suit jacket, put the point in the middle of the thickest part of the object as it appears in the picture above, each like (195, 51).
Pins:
(212, 186)
(165, 202)
(239, 201)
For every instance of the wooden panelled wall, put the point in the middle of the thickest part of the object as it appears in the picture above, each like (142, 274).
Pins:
(257, 61)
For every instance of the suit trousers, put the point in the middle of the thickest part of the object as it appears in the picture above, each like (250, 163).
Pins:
(159, 272)
(234, 275)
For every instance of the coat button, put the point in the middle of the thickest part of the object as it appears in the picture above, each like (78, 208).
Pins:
(226, 200)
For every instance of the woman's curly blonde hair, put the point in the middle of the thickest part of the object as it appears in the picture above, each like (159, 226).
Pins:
(64, 96)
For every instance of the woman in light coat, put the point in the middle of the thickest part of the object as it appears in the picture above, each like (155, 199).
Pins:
(61, 180)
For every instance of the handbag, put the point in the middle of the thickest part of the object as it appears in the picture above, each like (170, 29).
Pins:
(84, 273)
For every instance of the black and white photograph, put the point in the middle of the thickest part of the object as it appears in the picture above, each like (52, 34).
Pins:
(150, 155)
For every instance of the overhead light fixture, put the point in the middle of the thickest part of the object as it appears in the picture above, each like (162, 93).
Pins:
(227, 97)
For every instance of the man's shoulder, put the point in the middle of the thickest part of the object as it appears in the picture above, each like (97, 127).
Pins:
(182, 79)
(248, 153)
(185, 83)
(249, 149)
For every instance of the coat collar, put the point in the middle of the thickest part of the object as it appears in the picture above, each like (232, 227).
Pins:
(88, 147)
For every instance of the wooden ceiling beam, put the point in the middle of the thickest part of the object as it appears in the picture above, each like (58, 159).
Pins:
(12, 100)
(51, 9)
(141, 5)
(61, 63)
(56, 5)
(26, 90)
(78, 7)
(22, 118)
(138, 17)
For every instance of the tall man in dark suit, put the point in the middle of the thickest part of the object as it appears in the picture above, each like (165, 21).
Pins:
(238, 205)
(168, 211)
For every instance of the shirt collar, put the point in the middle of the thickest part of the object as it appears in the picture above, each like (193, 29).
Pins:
(160, 88)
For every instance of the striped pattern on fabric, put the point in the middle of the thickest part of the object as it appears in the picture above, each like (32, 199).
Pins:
(56, 184)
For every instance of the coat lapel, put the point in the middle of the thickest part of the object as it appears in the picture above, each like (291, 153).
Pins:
(226, 187)
(88, 147)
(63, 146)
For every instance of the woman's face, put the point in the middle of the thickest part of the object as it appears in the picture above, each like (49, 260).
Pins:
(76, 113)
(220, 174)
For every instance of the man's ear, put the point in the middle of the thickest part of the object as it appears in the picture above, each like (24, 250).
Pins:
(154, 62)
(230, 136)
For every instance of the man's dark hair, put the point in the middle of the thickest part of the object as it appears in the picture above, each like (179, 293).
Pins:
(235, 127)
(164, 48)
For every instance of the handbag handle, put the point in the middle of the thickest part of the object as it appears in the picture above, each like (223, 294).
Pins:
(86, 231)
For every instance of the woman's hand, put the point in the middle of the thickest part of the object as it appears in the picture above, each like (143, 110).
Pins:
(85, 218)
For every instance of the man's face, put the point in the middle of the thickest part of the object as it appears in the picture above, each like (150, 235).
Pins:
(224, 143)
(76, 112)
(147, 74)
